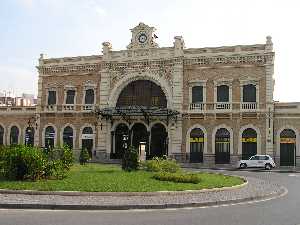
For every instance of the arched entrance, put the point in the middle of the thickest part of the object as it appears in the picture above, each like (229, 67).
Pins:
(249, 143)
(196, 145)
(87, 140)
(222, 146)
(1, 135)
(68, 136)
(29, 136)
(14, 135)
(121, 141)
(287, 147)
(140, 136)
(49, 137)
(159, 141)
(140, 100)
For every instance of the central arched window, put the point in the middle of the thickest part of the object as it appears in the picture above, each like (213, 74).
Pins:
(68, 136)
(142, 93)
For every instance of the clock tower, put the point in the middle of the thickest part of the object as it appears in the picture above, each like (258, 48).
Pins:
(142, 37)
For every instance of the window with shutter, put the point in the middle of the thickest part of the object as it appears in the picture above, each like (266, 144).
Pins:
(70, 97)
(223, 93)
(197, 94)
(89, 96)
(249, 93)
(51, 97)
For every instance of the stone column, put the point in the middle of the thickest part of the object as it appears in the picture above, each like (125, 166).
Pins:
(269, 67)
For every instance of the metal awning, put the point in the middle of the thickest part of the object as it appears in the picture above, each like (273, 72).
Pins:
(130, 112)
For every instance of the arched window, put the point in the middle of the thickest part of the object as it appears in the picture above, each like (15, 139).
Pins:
(68, 136)
(196, 145)
(49, 137)
(287, 147)
(29, 136)
(14, 135)
(1, 135)
(223, 93)
(87, 139)
(249, 143)
(142, 93)
(89, 97)
(222, 146)
(249, 93)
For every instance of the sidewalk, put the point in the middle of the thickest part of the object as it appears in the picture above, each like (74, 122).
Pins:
(255, 189)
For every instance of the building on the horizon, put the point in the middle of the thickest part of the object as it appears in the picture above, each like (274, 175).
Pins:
(211, 105)
(9, 99)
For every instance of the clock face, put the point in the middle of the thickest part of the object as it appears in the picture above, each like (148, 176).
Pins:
(142, 37)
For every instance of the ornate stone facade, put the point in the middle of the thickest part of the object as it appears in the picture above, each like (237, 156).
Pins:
(209, 87)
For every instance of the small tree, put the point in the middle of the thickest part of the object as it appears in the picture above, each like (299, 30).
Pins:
(84, 156)
(130, 159)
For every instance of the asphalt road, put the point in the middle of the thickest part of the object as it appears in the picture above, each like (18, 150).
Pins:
(280, 211)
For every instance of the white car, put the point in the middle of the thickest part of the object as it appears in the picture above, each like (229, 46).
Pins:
(258, 161)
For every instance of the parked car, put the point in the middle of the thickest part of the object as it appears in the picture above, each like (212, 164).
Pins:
(257, 161)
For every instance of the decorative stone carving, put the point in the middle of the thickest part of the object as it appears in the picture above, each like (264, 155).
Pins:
(142, 37)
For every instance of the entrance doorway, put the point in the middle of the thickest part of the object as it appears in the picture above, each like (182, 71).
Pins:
(68, 137)
(159, 141)
(222, 146)
(287, 147)
(249, 143)
(196, 145)
(49, 137)
(140, 136)
(121, 141)
(29, 136)
(87, 140)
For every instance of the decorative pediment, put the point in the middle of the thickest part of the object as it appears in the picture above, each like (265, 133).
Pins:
(142, 37)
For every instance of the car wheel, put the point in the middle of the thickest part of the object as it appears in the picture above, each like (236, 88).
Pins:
(268, 166)
(243, 166)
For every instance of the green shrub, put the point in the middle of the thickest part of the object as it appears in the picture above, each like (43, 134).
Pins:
(59, 162)
(22, 162)
(130, 159)
(177, 177)
(84, 156)
(30, 163)
(162, 164)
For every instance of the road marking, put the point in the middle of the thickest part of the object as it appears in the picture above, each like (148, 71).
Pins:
(294, 175)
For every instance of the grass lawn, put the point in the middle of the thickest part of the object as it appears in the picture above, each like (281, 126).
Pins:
(110, 178)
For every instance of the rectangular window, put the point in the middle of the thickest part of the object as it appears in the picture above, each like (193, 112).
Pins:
(197, 94)
(51, 97)
(89, 96)
(249, 93)
(223, 93)
(70, 99)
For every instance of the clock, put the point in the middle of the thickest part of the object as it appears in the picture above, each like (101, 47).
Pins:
(142, 38)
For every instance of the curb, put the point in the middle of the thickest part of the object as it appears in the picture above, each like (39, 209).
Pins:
(283, 191)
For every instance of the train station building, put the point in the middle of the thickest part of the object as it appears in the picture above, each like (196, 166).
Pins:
(207, 105)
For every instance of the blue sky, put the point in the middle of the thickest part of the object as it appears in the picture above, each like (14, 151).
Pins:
(61, 28)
